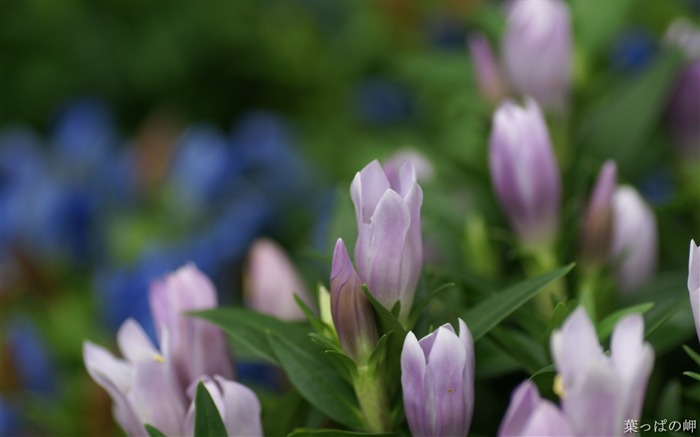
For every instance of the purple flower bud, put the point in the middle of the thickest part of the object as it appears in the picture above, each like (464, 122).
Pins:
(524, 172)
(271, 282)
(694, 283)
(489, 78)
(684, 111)
(389, 249)
(634, 239)
(437, 377)
(597, 224)
(352, 313)
(598, 391)
(197, 347)
(537, 50)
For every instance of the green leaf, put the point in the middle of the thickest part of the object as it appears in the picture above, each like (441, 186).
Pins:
(331, 433)
(247, 331)
(492, 361)
(522, 348)
(317, 380)
(560, 314)
(692, 354)
(316, 323)
(547, 369)
(605, 327)
(490, 312)
(670, 402)
(207, 421)
(388, 321)
(662, 313)
(152, 431)
(619, 126)
(597, 22)
(418, 308)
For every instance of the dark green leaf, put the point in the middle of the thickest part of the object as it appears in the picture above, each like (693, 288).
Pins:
(692, 375)
(248, 331)
(318, 325)
(332, 433)
(670, 402)
(662, 313)
(418, 308)
(561, 312)
(388, 321)
(605, 327)
(522, 348)
(547, 369)
(152, 431)
(207, 421)
(490, 312)
(317, 380)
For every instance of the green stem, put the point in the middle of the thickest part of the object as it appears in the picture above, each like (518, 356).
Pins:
(371, 395)
(543, 261)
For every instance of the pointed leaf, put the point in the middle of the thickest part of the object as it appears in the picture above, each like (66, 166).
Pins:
(490, 312)
(317, 380)
(152, 431)
(692, 375)
(692, 354)
(207, 421)
(522, 348)
(606, 326)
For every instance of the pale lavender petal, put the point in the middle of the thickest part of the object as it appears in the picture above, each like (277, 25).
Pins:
(134, 343)
(445, 386)
(465, 336)
(242, 408)
(426, 343)
(547, 420)
(634, 238)
(633, 359)
(575, 347)
(594, 405)
(271, 281)
(114, 375)
(693, 267)
(489, 78)
(157, 397)
(367, 189)
(423, 168)
(523, 403)
(597, 225)
(390, 224)
(413, 368)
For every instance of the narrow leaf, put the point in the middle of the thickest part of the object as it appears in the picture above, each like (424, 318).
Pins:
(692, 375)
(605, 327)
(317, 380)
(207, 421)
(692, 354)
(490, 312)
(152, 431)
(522, 348)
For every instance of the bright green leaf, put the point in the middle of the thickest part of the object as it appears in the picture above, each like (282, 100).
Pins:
(692, 375)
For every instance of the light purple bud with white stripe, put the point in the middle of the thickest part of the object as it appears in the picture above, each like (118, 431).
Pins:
(694, 283)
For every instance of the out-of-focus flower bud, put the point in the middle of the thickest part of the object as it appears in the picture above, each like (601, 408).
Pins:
(524, 172)
(197, 347)
(389, 249)
(352, 313)
(684, 111)
(694, 283)
(437, 377)
(597, 224)
(271, 282)
(489, 77)
(537, 50)
(634, 239)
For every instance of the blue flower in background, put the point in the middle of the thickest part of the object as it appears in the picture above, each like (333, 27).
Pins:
(633, 50)
(9, 418)
(380, 101)
(658, 187)
(446, 32)
(31, 359)
(84, 136)
(204, 165)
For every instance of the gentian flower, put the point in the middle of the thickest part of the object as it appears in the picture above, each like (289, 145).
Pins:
(634, 238)
(351, 311)
(156, 385)
(524, 172)
(437, 377)
(598, 391)
(489, 78)
(196, 346)
(694, 283)
(32, 360)
(537, 50)
(597, 224)
(389, 249)
(271, 282)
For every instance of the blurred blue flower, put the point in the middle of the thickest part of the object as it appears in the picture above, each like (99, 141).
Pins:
(9, 418)
(84, 135)
(204, 165)
(379, 101)
(658, 187)
(31, 359)
(633, 50)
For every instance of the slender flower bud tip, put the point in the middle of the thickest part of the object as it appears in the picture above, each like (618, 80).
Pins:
(597, 225)
(694, 283)
(489, 77)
